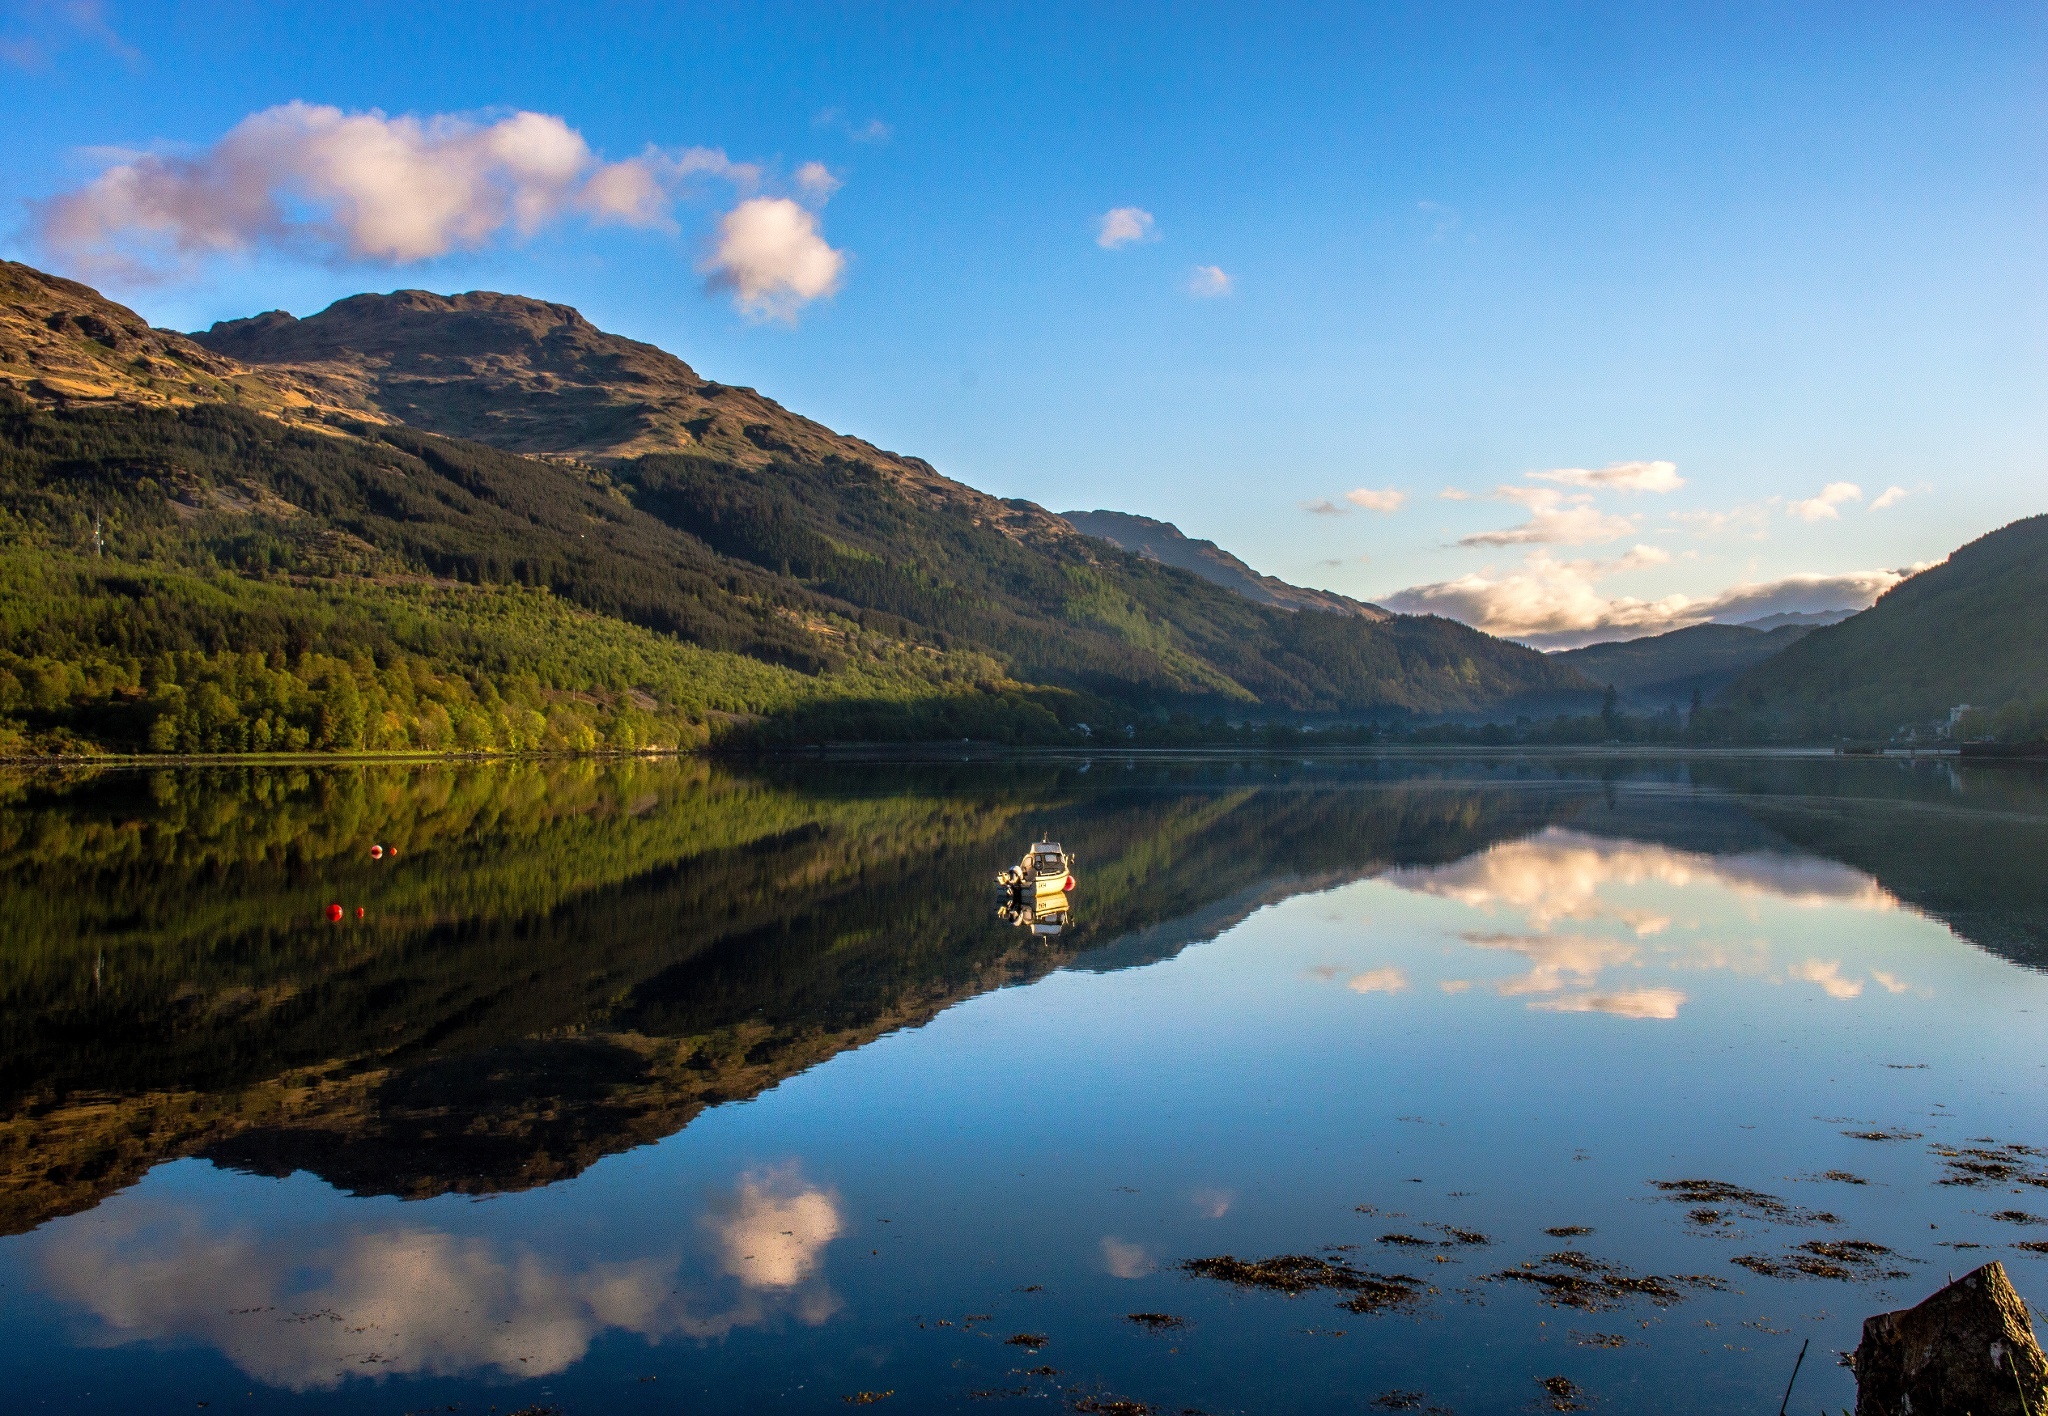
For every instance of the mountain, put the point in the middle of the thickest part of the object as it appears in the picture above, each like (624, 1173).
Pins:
(1164, 542)
(1811, 619)
(1666, 670)
(422, 521)
(1973, 629)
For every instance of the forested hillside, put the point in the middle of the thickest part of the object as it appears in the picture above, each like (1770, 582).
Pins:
(302, 575)
(1973, 630)
(1668, 670)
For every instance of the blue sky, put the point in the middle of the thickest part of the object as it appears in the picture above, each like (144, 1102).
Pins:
(1794, 252)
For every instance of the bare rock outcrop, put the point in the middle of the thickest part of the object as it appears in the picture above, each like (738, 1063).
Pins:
(1969, 1348)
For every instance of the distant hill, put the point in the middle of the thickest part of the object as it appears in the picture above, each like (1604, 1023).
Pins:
(478, 521)
(1666, 670)
(1973, 629)
(1164, 542)
(1811, 619)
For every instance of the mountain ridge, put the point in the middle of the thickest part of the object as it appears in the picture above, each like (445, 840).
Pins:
(1166, 543)
(324, 515)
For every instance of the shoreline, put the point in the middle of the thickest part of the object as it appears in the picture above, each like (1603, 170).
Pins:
(977, 751)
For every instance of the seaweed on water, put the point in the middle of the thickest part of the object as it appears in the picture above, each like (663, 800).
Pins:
(1843, 1260)
(868, 1398)
(1843, 1177)
(1157, 1322)
(1568, 1231)
(1470, 1237)
(1406, 1240)
(2018, 1217)
(1895, 1134)
(1564, 1393)
(2033, 1246)
(1598, 1339)
(1295, 1274)
(1112, 1406)
(1994, 1164)
(1571, 1279)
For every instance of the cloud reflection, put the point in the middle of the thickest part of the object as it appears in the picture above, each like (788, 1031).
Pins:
(1828, 974)
(1379, 981)
(306, 1307)
(1124, 1259)
(1661, 1003)
(1557, 876)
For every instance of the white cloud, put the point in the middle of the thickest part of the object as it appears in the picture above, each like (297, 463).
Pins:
(1388, 500)
(1207, 282)
(1124, 1259)
(770, 255)
(774, 1232)
(1554, 519)
(1379, 981)
(815, 180)
(1890, 982)
(1453, 494)
(1455, 985)
(1617, 476)
(1325, 507)
(1557, 604)
(1890, 496)
(872, 131)
(1212, 1203)
(1823, 507)
(311, 178)
(1556, 959)
(1120, 226)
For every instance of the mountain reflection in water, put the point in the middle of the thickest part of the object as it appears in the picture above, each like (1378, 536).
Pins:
(564, 961)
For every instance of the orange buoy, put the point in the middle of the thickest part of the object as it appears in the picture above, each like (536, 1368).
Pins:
(334, 913)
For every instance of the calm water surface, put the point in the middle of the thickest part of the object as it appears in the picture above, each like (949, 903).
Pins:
(669, 1087)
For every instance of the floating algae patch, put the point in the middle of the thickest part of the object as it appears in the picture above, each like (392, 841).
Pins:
(2018, 1217)
(1843, 1260)
(1562, 1393)
(1156, 1322)
(1712, 1199)
(1843, 1177)
(1032, 1340)
(1598, 1339)
(1992, 1165)
(1568, 1231)
(1471, 1238)
(1571, 1279)
(1295, 1274)
(1407, 1241)
(1895, 1134)
(1112, 1406)
(868, 1398)
(2033, 1246)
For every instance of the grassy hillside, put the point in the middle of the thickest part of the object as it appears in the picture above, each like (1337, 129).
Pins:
(1666, 670)
(1973, 629)
(806, 583)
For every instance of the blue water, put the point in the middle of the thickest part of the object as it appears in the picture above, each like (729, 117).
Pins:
(1672, 979)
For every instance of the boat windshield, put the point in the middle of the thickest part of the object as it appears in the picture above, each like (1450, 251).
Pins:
(1051, 864)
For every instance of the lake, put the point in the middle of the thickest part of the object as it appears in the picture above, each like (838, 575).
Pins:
(661, 1086)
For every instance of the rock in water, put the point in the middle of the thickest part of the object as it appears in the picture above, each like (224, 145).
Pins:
(1967, 1349)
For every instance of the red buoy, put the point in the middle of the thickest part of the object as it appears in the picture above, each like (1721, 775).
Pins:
(359, 911)
(376, 853)
(1070, 884)
(334, 913)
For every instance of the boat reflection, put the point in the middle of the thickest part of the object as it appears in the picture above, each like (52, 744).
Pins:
(1044, 915)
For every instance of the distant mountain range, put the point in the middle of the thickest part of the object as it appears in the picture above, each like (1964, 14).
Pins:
(478, 520)
(1669, 670)
(1164, 542)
